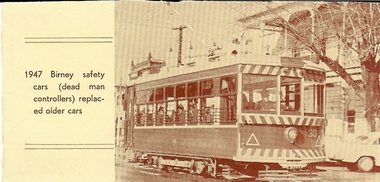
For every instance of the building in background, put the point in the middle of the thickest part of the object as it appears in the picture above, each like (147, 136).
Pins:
(149, 66)
(119, 115)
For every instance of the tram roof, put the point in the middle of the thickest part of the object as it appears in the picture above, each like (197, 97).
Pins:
(268, 60)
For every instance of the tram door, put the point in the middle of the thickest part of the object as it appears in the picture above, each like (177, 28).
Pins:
(129, 115)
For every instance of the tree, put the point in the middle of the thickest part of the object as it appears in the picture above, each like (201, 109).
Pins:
(353, 28)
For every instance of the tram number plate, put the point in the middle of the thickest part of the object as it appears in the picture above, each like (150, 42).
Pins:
(312, 133)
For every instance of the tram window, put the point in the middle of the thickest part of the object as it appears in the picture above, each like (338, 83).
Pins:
(259, 93)
(150, 94)
(313, 99)
(208, 109)
(228, 85)
(169, 93)
(290, 95)
(139, 111)
(141, 97)
(171, 108)
(160, 113)
(182, 103)
(192, 89)
(207, 87)
(227, 110)
(181, 112)
(192, 111)
(180, 91)
(149, 114)
(159, 94)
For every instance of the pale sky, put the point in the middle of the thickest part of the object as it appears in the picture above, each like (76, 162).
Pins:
(143, 27)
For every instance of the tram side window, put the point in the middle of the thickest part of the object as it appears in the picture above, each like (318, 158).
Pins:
(207, 105)
(169, 100)
(180, 112)
(160, 113)
(207, 112)
(228, 99)
(313, 99)
(192, 89)
(192, 109)
(141, 97)
(180, 91)
(290, 95)
(169, 93)
(207, 87)
(259, 93)
(171, 112)
(159, 94)
(139, 112)
(144, 96)
(149, 114)
(150, 94)
(228, 85)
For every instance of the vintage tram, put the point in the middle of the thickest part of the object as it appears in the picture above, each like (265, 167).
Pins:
(243, 113)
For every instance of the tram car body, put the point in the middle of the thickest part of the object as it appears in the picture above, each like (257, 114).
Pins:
(266, 110)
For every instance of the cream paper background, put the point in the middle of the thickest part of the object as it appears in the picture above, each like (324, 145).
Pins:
(20, 126)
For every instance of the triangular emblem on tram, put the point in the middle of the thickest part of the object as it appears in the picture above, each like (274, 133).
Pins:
(252, 140)
(319, 142)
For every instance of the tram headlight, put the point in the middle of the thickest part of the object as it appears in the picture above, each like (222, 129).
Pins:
(291, 134)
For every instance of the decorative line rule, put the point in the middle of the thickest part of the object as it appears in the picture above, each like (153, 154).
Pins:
(67, 40)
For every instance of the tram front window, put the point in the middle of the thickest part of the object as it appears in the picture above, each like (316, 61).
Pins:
(290, 95)
(259, 93)
(313, 104)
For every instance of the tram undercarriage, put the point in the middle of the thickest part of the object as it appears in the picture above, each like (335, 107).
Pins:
(224, 168)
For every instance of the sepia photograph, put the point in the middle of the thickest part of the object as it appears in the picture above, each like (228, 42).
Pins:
(247, 91)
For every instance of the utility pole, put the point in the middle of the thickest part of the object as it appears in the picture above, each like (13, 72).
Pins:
(179, 62)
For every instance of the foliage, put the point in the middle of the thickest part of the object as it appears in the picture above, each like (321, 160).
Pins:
(350, 29)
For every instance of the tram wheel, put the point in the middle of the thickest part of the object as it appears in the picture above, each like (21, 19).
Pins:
(208, 171)
(150, 160)
(168, 169)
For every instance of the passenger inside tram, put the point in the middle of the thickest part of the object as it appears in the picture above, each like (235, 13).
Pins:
(180, 114)
(247, 105)
(193, 114)
(172, 117)
(264, 103)
(228, 85)
(139, 115)
(283, 105)
(207, 108)
(160, 115)
(143, 116)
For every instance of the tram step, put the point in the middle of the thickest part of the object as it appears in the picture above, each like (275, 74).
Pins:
(274, 171)
(304, 174)
(275, 176)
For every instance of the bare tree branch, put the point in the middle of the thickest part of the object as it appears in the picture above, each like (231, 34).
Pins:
(334, 65)
(344, 41)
